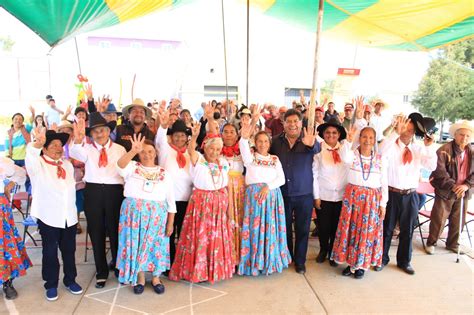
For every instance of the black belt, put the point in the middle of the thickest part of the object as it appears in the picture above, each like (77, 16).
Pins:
(402, 191)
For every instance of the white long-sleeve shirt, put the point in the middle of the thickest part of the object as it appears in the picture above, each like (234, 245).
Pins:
(330, 179)
(89, 155)
(182, 181)
(377, 177)
(53, 199)
(407, 176)
(158, 188)
(261, 169)
(209, 176)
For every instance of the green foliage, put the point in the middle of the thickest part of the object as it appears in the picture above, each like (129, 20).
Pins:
(446, 92)
(6, 43)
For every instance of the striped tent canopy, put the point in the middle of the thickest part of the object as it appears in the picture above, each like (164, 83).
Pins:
(391, 24)
(57, 20)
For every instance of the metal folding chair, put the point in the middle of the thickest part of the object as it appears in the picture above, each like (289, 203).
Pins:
(428, 190)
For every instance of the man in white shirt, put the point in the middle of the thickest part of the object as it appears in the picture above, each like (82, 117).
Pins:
(174, 158)
(53, 205)
(405, 160)
(379, 120)
(103, 194)
(52, 114)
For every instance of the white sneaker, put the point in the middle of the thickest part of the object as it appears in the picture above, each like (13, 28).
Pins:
(429, 250)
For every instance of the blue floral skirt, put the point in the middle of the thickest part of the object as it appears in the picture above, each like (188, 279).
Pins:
(142, 244)
(264, 248)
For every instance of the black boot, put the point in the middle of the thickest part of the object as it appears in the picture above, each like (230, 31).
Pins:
(9, 290)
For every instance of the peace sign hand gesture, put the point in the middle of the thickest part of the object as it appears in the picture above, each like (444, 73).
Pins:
(79, 131)
(351, 133)
(40, 136)
(309, 138)
(137, 143)
(195, 131)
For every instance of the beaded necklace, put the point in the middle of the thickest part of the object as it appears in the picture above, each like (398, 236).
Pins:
(215, 172)
(370, 165)
(157, 174)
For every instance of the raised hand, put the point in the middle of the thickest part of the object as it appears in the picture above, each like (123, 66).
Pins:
(401, 124)
(351, 133)
(309, 138)
(246, 131)
(164, 117)
(68, 111)
(79, 131)
(209, 111)
(196, 130)
(32, 110)
(341, 117)
(40, 137)
(103, 103)
(137, 143)
(88, 91)
(359, 106)
(54, 127)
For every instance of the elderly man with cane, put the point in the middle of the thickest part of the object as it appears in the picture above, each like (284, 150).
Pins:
(453, 181)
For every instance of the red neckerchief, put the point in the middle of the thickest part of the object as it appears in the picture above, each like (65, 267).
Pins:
(335, 155)
(231, 151)
(61, 172)
(407, 156)
(180, 158)
(103, 160)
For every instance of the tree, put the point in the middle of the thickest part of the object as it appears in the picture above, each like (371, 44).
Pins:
(446, 92)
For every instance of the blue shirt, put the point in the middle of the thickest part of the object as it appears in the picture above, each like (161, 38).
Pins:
(297, 165)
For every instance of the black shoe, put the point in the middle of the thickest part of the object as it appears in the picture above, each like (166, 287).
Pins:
(159, 288)
(379, 268)
(347, 272)
(408, 269)
(138, 289)
(359, 274)
(332, 263)
(301, 269)
(100, 283)
(321, 256)
(9, 290)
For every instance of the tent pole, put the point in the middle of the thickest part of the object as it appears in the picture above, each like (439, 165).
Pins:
(225, 53)
(314, 90)
(77, 54)
(248, 48)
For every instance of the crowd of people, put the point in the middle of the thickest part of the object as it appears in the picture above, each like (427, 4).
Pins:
(228, 190)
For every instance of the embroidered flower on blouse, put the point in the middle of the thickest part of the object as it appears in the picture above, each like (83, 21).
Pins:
(265, 162)
(157, 174)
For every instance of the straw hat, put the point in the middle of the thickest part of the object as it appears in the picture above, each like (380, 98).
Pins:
(138, 102)
(463, 124)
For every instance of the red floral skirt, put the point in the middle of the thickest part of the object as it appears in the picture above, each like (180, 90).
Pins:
(204, 250)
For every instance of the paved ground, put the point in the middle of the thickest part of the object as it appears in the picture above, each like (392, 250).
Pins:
(439, 286)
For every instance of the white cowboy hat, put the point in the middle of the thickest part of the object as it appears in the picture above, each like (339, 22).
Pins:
(138, 102)
(463, 124)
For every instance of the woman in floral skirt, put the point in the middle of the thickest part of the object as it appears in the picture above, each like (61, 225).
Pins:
(146, 217)
(236, 186)
(264, 247)
(204, 250)
(359, 235)
(13, 257)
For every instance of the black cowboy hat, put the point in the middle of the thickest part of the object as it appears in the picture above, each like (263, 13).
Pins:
(53, 135)
(96, 120)
(333, 122)
(179, 126)
(423, 125)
